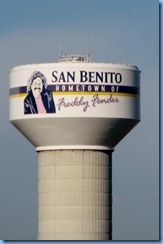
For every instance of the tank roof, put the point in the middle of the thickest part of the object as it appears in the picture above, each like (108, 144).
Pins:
(78, 63)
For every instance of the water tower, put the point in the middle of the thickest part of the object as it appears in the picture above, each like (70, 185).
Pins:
(75, 112)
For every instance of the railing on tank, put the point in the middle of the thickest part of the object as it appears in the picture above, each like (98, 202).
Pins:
(74, 58)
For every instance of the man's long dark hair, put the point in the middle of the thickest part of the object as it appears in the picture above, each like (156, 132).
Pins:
(35, 75)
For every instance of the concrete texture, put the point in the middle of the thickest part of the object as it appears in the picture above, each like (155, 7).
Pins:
(75, 195)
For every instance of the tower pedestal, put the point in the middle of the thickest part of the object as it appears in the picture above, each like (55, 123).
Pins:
(75, 195)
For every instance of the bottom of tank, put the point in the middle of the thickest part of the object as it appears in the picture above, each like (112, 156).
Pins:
(74, 133)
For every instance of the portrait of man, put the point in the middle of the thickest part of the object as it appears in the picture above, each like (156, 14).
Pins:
(39, 100)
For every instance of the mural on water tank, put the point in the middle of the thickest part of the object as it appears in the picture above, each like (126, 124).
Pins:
(39, 100)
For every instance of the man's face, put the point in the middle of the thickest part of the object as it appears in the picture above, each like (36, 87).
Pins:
(37, 87)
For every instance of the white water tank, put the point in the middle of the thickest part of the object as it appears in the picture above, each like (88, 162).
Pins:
(96, 104)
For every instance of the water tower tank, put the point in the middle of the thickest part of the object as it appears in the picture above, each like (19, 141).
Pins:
(75, 112)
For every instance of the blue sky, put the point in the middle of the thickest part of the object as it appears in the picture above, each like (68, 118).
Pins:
(69, 13)
(121, 31)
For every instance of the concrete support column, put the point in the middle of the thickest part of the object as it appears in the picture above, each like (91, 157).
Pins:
(75, 195)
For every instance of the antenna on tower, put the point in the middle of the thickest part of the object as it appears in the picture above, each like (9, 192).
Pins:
(60, 52)
(89, 57)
